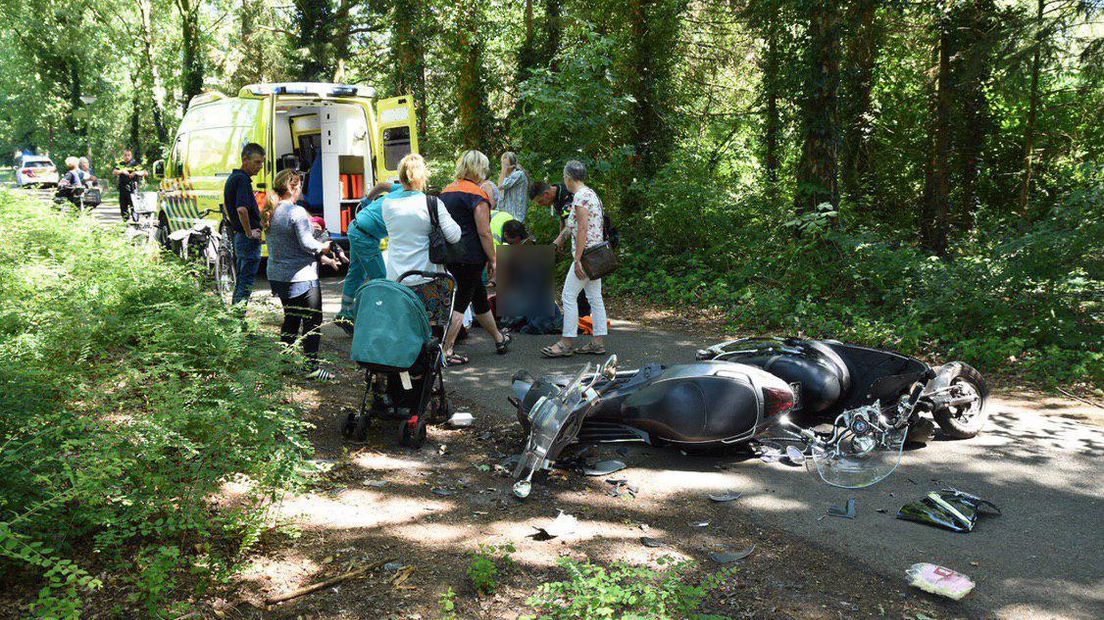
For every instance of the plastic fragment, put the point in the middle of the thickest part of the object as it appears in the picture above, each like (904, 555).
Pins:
(602, 468)
(847, 512)
(939, 580)
(726, 497)
(563, 525)
(728, 557)
(652, 543)
(441, 492)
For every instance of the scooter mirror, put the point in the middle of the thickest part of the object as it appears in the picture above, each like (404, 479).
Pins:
(609, 369)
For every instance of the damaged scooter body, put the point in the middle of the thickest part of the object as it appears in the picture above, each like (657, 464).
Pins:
(699, 405)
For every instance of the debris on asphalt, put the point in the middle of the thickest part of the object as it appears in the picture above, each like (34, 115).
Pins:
(949, 509)
(726, 497)
(563, 525)
(621, 487)
(652, 543)
(375, 484)
(700, 524)
(460, 419)
(939, 580)
(602, 468)
(728, 557)
(846, 512)
(441, 492)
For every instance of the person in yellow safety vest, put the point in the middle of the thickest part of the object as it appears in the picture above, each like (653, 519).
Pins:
(498, 220)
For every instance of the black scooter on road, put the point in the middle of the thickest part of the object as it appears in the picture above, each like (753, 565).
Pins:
(740, 389)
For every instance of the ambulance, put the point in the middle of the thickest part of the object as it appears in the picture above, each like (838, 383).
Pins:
(339, 136)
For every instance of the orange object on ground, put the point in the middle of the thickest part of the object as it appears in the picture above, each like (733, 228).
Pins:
(586, 325)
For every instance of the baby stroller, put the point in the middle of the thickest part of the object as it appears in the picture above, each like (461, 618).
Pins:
(397, 341)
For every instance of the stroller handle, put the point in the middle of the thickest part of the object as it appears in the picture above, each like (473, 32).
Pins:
(432, 275)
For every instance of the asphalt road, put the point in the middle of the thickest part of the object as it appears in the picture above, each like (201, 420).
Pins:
(1041, 460)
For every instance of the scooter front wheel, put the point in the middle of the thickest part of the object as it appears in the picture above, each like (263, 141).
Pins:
(965, 421)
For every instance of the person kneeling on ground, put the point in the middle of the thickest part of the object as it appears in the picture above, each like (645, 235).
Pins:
(293, 254)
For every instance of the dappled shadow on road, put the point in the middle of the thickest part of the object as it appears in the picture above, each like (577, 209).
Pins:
(1043, 467)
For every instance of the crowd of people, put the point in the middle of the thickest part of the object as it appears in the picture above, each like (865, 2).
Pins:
(474, 214)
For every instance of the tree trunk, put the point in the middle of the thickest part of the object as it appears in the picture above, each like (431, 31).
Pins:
(652, 32)
(135, 142)
(857, 113)
(1032, 110)
(192, 71)
(773, 121)
(973, 26)
(76, 124)
(937, 192)
(148, 72)
(314, 18)
(818, 167)
(553, 32)
(475, 126)
(408, 51)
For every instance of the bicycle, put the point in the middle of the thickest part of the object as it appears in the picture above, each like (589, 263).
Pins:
(203, 242)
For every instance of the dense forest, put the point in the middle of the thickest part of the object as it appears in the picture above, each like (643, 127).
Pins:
(926, 175)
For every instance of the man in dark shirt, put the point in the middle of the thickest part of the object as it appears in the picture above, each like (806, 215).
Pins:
(559, 199)
(244, 216)
(129, 174)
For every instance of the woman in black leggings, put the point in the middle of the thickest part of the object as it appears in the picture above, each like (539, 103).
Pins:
(470, 206)
(293, 254)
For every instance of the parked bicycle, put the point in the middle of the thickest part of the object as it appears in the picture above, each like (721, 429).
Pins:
(209, 250)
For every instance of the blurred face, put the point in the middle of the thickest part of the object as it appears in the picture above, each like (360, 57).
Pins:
(546, 197)
(295, 187)
(252, 165)
(128, 155)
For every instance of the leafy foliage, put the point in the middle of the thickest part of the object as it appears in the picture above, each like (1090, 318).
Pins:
(130, 399)
(487, 561)
(624, 591)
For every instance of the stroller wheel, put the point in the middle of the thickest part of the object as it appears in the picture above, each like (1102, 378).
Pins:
(348, 425)
(412, 432)
(363, 424)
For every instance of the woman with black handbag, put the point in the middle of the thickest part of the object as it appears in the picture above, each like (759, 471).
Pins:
(592, 258)
(470, 205)
(410, 223)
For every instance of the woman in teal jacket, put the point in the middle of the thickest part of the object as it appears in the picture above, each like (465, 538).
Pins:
(366, 261)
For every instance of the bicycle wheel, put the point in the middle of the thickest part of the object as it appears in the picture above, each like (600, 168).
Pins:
(220, 269)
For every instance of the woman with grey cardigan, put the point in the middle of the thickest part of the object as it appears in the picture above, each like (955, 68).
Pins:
(293, 254)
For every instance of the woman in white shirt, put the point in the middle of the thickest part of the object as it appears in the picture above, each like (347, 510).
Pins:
(407, 218)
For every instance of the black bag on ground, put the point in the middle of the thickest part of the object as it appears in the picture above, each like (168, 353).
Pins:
(440, 250)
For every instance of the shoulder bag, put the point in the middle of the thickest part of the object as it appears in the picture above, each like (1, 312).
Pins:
(440, 250)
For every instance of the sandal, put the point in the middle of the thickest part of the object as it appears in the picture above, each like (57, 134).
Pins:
(557, 350)
(592, 348)
(502, 346)
(455, 359)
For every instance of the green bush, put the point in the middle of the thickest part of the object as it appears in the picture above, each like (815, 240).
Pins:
(1024, 300)
(130, 398)
(486, 564)
(623, 591)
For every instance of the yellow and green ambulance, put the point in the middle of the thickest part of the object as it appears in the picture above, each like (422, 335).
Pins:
(341, 136)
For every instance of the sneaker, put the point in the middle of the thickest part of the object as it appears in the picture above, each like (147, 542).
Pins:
(321, 374)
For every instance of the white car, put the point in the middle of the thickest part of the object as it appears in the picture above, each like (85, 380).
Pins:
(36, 170)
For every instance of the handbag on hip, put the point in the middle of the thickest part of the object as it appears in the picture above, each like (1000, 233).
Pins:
(599, 260)
(440, 250)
